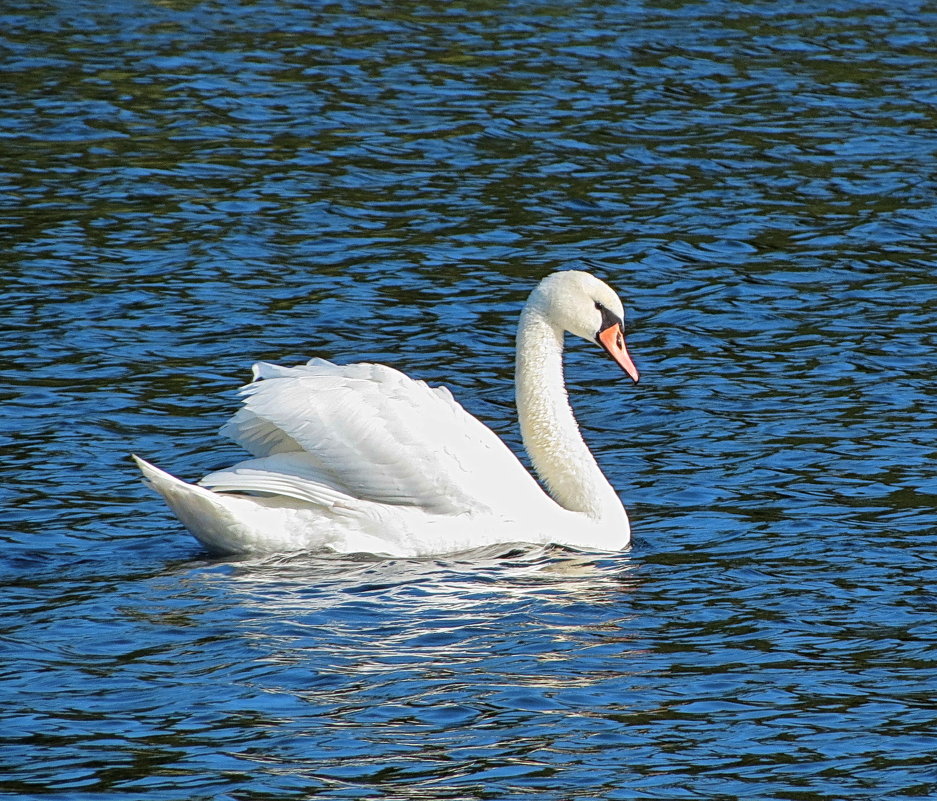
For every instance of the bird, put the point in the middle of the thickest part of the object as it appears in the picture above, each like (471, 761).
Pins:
(361, 458)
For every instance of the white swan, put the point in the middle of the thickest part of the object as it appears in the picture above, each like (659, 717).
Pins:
(361, 458)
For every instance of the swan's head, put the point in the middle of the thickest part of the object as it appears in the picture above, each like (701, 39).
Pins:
(587, 307)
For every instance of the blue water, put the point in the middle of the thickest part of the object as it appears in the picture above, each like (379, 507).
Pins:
(186, 188)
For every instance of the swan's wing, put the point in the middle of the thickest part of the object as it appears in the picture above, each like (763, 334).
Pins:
(293, 475)
(369, 432)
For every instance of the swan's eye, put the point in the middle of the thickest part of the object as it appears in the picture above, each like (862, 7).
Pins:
(599, 306)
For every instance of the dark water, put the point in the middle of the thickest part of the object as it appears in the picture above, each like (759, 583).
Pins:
(188, 187)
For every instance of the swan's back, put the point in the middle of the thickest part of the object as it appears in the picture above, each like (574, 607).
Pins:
(368, 434)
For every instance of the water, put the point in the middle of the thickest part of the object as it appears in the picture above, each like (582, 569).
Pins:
(187, 188)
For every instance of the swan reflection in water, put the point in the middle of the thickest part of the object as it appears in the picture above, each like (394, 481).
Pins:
(355, 631)
(361, 458)
(307, 583)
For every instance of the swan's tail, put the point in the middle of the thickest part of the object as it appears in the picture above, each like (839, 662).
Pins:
(205, 514)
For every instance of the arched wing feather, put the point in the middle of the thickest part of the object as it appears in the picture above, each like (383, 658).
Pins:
(372, 433)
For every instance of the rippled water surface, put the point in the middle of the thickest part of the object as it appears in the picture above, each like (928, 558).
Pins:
(188, 187)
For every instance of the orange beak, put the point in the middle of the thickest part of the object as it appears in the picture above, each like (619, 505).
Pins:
(613, 340)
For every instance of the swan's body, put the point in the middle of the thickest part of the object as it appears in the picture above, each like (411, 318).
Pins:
(362, 458)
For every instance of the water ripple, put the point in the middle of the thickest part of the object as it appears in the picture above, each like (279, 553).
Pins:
(187, 192)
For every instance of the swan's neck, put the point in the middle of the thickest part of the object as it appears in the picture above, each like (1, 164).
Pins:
(548, 427)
